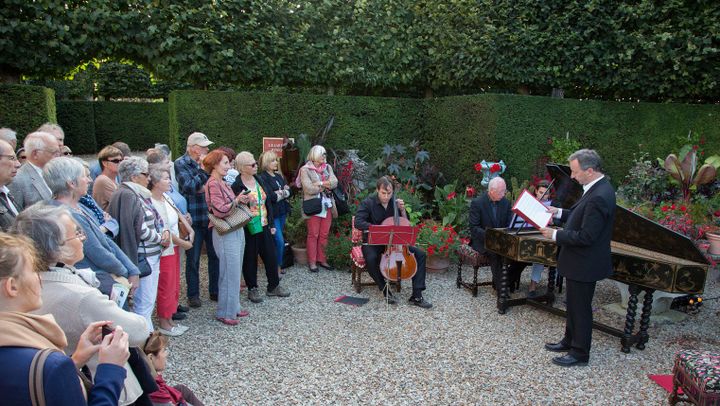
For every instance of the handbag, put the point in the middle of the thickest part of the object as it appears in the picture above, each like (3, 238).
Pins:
(238, 217)
(183, 230)
(312, 206)
(143, 265)
(341, 200)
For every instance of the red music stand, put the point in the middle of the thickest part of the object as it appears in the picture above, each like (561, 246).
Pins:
(392, 235)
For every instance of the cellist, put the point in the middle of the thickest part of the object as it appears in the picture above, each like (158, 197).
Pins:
(372, 211)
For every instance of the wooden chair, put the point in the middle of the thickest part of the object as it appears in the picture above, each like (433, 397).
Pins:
(357, 261)
(467, 255)
(698, 374)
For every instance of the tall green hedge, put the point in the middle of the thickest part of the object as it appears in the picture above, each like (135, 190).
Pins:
(25, 108)
(240, 120)
(77, 118)
(140, 125)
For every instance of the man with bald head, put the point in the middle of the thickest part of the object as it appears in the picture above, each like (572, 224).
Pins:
(29, 187)
(493, 210)
(8, 169)
(9, 135)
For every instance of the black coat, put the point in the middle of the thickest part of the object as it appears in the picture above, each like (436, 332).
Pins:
(278, 207)
(481, 218)
(585, 239)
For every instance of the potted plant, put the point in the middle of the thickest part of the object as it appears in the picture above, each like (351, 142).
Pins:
(296, 231)
(440, 244)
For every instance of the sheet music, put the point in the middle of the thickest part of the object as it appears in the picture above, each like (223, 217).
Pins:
(530, 209)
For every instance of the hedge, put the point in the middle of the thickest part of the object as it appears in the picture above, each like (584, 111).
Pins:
(240, 120)
(77, 118)
(25, 108)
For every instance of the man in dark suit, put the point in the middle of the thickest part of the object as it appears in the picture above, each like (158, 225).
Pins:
(492, 210)
(8, 169)
(584, 255)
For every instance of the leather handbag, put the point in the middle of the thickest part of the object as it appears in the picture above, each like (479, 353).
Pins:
(312, 206)
(341, 200)
(238, 217)
(183, 229)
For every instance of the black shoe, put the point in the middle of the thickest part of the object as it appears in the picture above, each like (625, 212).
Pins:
(568, 360)
(557, 347)
(327, 266)
(179, 316)
(314, 270)
(194, 302)
(213, 297)
(420, 302)
(183, 309)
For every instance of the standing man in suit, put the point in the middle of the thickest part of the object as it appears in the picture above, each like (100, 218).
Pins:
(9, 165)
(584, 256)
(493, 210)
(29, 187)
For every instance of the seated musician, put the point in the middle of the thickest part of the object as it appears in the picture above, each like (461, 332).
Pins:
(372, 211)
(492, 210)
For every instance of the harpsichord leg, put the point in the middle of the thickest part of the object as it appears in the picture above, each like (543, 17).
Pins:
(627, 338)
(645, 319)
(503, 295)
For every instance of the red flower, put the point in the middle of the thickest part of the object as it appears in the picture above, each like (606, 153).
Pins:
(465, 240)
(695, 147)
(672, 207)
(717, 213)
(495, 168)
(451, 195)
(435, 228)
(470, 191)
(431, 250)
(683, 208)
(478, 167)
(665, 208)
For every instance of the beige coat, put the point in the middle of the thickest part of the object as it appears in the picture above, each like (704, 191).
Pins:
(309, 180)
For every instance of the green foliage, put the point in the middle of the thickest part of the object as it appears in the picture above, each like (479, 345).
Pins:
(25, 108)
(140, 125)
(684, 170)
(645, 184)
(121, 80)
(408, 165)
(77, 118)
(437, 239)
(295, 228)
(452, 207)
(562, 148)
(340, 242)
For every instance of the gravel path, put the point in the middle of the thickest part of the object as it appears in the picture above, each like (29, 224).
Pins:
(306, 349)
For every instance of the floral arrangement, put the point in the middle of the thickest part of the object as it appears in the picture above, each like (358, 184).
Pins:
(437, 239)
(453, 208)
(489, 170)
(678, 218)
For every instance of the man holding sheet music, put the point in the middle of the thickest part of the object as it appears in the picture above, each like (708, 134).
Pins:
(493, 210)
(372, 211)
(584, 253)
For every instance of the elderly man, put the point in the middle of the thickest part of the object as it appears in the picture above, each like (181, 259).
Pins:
(8, 169)
(584, 256)
(56, 132)
(7, 134)
(191, 178)
(29, 186)
(492, 210)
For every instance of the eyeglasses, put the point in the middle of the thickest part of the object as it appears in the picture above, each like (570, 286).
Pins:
(55, 152)
(67, 153)
(115, 161)
(10, 157)
(254, 164)
(145, 174)
(79, 234)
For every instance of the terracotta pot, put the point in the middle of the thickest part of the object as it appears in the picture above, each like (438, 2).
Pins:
(437, 264)
(300, 255)
(714, 240)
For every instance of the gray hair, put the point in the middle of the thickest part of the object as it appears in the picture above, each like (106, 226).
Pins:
(495, 183)
(60, 172)
(316, 153)
(155, 174)
(587, 158)
(37, 141)
(130, 167)
(6, 145)
(7, 134)
(42, 223)
(52, 129)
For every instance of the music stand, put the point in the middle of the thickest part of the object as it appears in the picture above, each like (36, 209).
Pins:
(392, 235)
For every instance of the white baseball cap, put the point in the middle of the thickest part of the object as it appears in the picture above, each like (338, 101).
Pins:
(198, 139)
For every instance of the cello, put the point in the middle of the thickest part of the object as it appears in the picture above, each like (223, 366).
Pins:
(397, 262)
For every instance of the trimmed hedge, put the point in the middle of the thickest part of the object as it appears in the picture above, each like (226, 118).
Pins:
(240, 120)
(25, 108)
(140, 125)
(77, 118)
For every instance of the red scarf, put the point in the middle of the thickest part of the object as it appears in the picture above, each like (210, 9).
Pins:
(166, 393)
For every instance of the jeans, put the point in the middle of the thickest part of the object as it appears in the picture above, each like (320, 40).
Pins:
(279, 238)
(537, 272)
(231, 248)
(192, 263)
(146, 293)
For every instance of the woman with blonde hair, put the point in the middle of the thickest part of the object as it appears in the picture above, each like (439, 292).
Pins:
(280, 192)
(318, 180)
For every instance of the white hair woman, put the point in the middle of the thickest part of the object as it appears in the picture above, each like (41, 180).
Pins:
(318, 180)
(142, 233)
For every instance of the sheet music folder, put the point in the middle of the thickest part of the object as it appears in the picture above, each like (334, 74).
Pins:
(532, 210)
(385, 235)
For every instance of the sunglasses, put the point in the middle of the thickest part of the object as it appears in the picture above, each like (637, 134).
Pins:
(115, 161)
(67, 153)
(254, 164)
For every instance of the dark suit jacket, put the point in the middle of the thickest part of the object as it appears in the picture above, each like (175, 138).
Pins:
(481, 218)
(7, 217)
(585, 240)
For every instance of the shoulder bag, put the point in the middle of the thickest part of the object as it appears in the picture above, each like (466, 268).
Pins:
(237, 218)
(340, 200)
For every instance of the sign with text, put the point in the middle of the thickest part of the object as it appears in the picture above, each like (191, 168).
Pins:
(274, 144)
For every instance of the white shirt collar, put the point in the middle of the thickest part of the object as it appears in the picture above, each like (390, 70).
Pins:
(589, 185)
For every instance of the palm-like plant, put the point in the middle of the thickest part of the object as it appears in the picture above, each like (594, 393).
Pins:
(684, 169)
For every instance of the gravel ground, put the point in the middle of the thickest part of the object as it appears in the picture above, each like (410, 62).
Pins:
(306, 349)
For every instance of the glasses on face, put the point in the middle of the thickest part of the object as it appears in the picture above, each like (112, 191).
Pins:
(10, 157)
(67, 153)
(79, 234)
(145, 174)
(253, 165)
(55, 152)
(115, 161)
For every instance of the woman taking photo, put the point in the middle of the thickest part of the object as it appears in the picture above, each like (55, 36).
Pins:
(280, 192)
(229, 247)
(23, 335)
(142, 234)
(318, 180)
(259, 232)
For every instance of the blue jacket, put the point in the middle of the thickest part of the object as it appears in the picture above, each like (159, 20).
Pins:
(60, 379)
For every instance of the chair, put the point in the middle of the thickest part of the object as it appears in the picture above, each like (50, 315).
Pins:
(467, 255)
(357, 263)
(698, 374)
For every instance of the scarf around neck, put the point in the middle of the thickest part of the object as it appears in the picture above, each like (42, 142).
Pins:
(19, 329)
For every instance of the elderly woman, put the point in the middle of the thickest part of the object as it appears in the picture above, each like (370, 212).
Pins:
(230, 246)
(318, 180)
(274, 179)
(23, 335)
(169, 282)
(260, 239)
(105, 185)
(67, 179)
(142, 234)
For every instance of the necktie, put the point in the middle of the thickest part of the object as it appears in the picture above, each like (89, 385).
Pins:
(7, 201)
